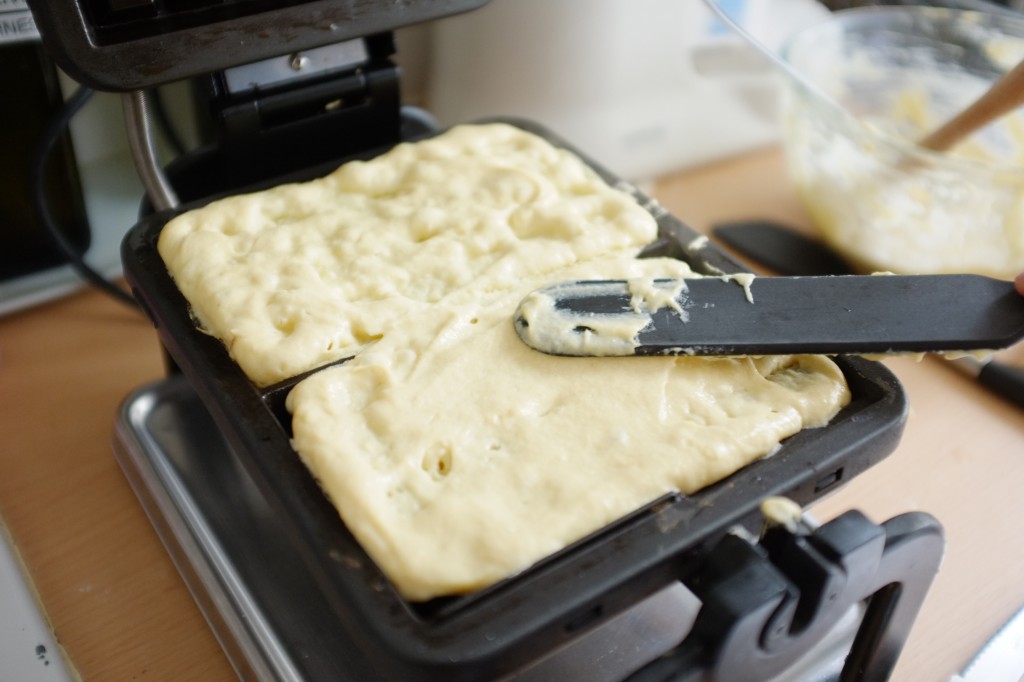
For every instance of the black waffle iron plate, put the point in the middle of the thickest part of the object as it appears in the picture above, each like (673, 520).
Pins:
(502, 628)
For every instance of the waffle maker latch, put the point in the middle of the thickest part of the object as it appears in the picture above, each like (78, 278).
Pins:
(766, 604)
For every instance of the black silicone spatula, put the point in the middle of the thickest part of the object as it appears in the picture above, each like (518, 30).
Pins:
(774, 315)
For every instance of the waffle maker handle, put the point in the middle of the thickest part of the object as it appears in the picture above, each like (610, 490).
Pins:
(766, 604)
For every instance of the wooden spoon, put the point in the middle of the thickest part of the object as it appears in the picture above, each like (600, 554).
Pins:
(1005, 95)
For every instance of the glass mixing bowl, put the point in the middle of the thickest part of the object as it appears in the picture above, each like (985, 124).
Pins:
(881, 78)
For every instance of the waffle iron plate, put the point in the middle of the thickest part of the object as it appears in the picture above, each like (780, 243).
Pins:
(502, 628)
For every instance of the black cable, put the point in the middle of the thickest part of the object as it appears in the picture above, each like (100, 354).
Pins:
(37, 166)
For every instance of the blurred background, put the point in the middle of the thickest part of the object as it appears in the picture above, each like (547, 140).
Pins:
(644, 88)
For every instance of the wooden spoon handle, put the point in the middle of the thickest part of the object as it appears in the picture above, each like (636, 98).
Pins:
(1005, 95)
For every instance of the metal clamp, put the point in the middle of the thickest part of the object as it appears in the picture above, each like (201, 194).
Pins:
(767, 604)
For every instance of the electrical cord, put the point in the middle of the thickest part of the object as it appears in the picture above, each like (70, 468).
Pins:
(37, 167)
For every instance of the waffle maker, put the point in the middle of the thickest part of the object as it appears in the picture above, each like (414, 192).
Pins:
(694, 587)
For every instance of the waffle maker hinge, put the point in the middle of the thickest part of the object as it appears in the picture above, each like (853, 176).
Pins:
(765, 605)
(268, 119)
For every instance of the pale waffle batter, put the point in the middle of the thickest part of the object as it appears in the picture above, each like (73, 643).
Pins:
(455, 454)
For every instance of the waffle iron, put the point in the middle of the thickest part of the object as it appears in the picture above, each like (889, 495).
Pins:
(765, 595)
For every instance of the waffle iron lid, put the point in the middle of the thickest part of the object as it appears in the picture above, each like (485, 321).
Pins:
(124, 45)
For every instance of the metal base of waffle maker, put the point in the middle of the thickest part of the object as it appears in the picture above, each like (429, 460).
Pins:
(273, 624)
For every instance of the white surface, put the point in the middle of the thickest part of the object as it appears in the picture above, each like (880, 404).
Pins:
(28, 650)
(1002, 657)
(645, 88)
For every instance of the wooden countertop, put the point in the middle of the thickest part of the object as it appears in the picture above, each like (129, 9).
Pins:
(121, 612)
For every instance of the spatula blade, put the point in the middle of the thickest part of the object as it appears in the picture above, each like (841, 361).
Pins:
(773, 315)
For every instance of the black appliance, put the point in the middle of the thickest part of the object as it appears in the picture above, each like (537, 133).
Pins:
(284, 585)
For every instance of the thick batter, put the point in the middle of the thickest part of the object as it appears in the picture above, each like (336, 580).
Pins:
(455, 454)
(887, 206)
